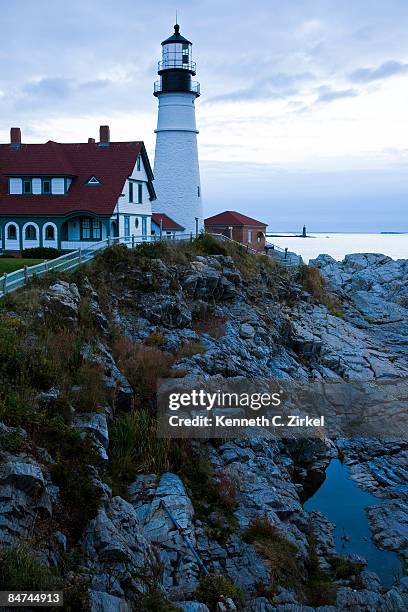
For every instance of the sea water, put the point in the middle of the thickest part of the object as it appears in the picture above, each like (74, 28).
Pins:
(339, 245)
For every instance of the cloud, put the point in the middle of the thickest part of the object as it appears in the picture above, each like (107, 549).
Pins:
(54, 87)
(386, 70)
(280, 85)
(326, 94)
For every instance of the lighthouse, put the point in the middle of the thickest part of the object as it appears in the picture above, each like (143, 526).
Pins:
(176, 168)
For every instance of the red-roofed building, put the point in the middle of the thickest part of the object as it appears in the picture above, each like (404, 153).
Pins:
(238, 227)
(67, 196)
(165, 227)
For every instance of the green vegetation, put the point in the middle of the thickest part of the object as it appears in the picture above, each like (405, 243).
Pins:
(41, 253)
(321, 588)
(277, 550)
(135, 448)
(20, 570)
(11, 264)
(313, 282)
(213, 587)
(155, 601)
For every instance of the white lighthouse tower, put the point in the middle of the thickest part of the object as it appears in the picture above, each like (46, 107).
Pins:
(176, 169)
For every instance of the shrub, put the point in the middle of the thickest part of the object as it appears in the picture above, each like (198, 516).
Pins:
(205, 244)
(212, 587)
(278, 551)
(135, 447)
(20, 570)
(320, 589)
(313, 282)
(344, 568)
(155, 601)
(40, 253)
(79, 495)
(155, 339)
(11, 442)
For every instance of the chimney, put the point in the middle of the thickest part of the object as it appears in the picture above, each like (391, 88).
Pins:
(91, 140)
(104, 136)
(15, 137)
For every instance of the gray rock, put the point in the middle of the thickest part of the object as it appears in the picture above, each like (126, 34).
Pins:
(191, 606)
(61, 301)
(246, 331)
(23, 492)
(103, 602)
(95, 427)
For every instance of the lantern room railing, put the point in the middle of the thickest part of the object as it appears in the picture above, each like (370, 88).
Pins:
(177, 61)
(193, 87)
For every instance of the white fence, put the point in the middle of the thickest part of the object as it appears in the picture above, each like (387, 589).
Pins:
(14, 280)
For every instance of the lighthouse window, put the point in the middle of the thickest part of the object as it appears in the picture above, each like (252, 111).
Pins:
(185, 54)
(198, 191)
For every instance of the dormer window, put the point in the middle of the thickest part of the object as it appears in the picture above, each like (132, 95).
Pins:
(138, 164)
(93, 181)
(39, 186)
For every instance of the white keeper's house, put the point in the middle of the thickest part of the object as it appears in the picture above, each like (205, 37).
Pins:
(68, 196)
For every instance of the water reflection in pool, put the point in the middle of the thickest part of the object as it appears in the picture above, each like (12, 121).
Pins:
(344, 503)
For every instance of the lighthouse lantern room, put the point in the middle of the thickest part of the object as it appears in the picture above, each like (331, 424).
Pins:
(176, 167)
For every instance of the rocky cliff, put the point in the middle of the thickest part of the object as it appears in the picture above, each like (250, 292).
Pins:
(85, 483)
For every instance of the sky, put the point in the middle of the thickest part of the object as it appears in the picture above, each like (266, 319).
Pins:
(303, 113)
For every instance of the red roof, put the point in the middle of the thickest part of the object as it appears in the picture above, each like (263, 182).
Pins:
(168, 223)
(231, 217)
(111, 165)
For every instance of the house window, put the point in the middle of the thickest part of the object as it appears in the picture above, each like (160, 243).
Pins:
(136, 222)
(12, 232)
(130, 192)
(58, 186)
(138, 164)
(86, 228)
(30, 232)
(46, 186)
(27, 186)
(15, 186)
(139, 193)
(49, 232)
(127, 227)
(249, 235)
(198, 191)
(96, 229)
(144, 226)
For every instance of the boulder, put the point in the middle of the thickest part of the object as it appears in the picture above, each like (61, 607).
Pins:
(103, 602)
(95, 427)
(61, 302)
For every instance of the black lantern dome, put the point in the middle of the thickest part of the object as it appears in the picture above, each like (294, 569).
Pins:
(176, 66)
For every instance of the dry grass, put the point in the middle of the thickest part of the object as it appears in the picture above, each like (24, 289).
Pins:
(189, 349)
(211, 325)
(142, 365)
(313, 282)
(277, 550)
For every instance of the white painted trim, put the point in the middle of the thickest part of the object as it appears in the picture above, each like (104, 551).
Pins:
(52, 244)
(31, 244)
(12, 245)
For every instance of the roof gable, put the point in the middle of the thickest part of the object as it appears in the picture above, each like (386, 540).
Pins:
(232, 217)
(167, 222)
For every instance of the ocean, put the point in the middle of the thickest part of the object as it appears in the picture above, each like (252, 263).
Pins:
(339, 245)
